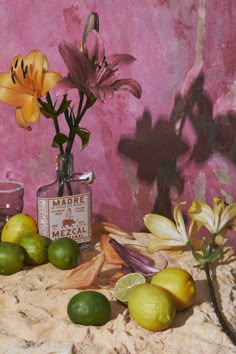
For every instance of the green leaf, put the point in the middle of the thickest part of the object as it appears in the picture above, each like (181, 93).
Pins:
(84, 135)
(199, 257)
(59, 139)
(64, 105)
(90, 101)
(214, 255)
(47, 110)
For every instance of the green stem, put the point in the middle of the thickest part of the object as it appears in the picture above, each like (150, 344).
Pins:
(79, 116)
(56, 125)
(226, 329)
(61, 187)
(212, 243)
(81, 95)
(61, 180)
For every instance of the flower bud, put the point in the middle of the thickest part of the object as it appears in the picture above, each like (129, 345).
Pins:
(92, 23)
(45, 64)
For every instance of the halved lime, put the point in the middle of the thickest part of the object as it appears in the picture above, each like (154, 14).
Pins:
(125, 284)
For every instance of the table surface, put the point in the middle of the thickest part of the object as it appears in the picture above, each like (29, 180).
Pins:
(33, 318)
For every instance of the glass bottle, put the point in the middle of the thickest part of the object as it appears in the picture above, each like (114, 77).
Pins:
(64, 207)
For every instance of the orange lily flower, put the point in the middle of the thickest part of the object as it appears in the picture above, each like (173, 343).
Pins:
(27, 81)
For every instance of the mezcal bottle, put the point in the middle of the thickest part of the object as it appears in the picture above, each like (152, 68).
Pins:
(64, 207)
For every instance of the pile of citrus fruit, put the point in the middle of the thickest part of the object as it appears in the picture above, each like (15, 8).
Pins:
(22, 245)
(153, 304)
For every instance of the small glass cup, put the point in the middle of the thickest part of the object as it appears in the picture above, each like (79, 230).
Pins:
(11, 200)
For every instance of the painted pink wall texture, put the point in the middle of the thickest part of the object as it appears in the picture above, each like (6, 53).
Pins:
(176, 143)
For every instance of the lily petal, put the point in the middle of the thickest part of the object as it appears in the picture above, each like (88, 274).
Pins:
(218, 207)
(64, 85)
(202, 212)
(76, 61)
(228, 216)
(30, 110)
(163, 244)
(50, 80)
(162, 227)
(179, 221)
(94, 48)
(128, 85)
(20, 121)
(34, 60)
(120, 60)
(195, 241)
(103, 93)
(11, 94)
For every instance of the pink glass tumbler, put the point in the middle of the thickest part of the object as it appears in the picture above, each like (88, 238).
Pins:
(11, 200)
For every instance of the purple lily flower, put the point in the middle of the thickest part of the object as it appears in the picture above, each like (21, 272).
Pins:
(92, 73)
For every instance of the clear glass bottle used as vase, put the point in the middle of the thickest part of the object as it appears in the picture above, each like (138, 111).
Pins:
(65, 206)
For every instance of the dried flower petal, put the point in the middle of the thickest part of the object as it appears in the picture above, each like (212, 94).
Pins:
(106, 227)
(108, 282)
(83, 276)
(111, 257)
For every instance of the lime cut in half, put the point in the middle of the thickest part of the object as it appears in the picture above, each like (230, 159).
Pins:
(125, 284)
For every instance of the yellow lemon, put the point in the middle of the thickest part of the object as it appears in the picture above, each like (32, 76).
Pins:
(17, 226)
(152, 307)
(179, 283)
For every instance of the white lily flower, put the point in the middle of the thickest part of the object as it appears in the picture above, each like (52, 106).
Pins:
(168, 234)
(216, 219)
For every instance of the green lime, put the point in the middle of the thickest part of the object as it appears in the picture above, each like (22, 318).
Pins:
(11, 258)
(125, 284)
(17, 226)
(89, 308)
(63, 253)
(152, 307)
(36, 248)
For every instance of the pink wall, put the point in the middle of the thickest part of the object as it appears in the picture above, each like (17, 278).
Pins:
(140, 163)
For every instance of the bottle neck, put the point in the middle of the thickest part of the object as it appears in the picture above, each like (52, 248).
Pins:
(64, 166)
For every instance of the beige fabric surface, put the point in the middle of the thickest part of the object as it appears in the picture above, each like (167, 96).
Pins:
(33, 318)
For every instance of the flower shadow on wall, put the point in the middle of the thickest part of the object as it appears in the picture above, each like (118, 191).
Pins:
(156, 149)
(156, 157)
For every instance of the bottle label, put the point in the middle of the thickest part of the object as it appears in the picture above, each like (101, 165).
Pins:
(68, 216)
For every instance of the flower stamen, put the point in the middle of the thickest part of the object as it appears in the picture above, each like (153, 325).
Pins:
(13, 79)
(25, 71)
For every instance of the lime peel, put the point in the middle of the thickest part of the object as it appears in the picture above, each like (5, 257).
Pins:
(125, 284)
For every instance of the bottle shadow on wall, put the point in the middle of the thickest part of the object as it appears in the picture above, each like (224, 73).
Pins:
(157, 148)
